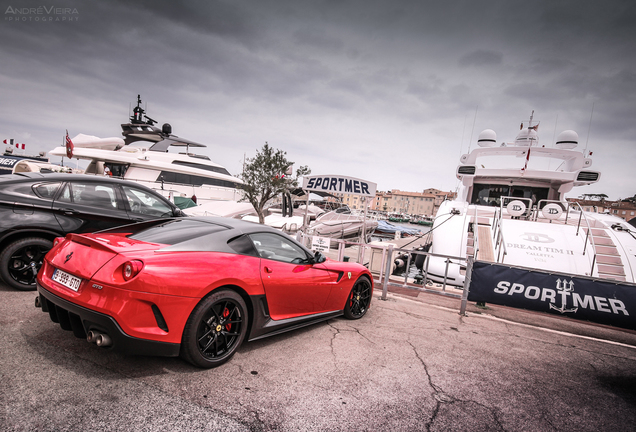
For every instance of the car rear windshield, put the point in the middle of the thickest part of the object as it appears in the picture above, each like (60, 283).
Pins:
(173, 231)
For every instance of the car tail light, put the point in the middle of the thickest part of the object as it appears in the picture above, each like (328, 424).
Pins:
(131, 269)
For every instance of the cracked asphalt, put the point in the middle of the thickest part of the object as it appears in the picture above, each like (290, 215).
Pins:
(411, 364)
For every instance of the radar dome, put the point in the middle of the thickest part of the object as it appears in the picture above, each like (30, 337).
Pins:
(487, 138)
(567, 139)
(527, 138)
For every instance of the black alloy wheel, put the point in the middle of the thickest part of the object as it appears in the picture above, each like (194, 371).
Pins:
(215, 329)
(359, 299)
(21, 260)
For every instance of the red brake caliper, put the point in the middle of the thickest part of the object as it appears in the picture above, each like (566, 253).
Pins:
(226, 312)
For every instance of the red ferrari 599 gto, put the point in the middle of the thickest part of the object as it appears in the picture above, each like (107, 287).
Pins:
(194, 287)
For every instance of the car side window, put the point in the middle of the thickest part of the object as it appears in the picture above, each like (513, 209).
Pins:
(141, 202)
(46, 190)
(65, 196)
(242, 245)
(90, 194)
(276, 247)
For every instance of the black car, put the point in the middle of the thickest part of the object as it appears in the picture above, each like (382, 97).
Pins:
(36, 208)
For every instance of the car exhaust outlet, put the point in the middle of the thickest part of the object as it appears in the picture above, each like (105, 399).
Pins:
(91, 336)
(103, 340)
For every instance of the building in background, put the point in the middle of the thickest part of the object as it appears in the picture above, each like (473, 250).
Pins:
(625, 209)
(423, 203)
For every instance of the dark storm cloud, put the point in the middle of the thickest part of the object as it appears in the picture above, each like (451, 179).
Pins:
(317, 38)
(481, 58)
(225, 19)
(335, 81)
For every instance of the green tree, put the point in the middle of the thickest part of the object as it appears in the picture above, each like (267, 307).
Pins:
(265, 177)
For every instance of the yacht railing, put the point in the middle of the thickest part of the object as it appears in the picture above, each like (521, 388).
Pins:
(498, 235)
(475, 234)
(527, 213)
(542, 203)
(384, 269)
(588, 234)
(498, 239)
(568, 207)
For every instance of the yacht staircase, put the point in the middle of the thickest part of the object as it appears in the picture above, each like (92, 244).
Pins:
(486, 250)
(608, 260)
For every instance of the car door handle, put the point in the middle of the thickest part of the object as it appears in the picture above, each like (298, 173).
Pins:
(268, 270)
(68, 211)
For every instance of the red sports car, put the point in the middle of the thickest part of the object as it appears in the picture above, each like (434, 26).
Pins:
(194, 287)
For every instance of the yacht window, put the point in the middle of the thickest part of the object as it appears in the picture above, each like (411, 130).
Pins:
(117, 170)
(215, 169)
(178, 178)
(490, 195)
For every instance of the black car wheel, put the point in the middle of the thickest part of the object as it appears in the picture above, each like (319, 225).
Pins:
(21, 260)
(359, 299)
(215, 329)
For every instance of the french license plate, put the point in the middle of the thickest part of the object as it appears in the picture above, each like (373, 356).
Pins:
(68, 280)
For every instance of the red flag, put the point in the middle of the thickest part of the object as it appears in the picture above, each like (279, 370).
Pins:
(527, 159)
(23, 146)
(69, 146)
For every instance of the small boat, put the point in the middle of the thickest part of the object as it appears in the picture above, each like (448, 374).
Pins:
(388, 228)
(9, 161)
(422, 220)
(343, 224)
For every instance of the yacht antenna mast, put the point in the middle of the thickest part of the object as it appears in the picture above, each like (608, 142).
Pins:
(461, 144)
(555, 126)
(473, 129)
(588, 130)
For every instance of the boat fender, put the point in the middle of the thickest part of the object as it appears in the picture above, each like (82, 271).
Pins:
(287, 203)
(284, 205)
(400, 263)
(420, 258)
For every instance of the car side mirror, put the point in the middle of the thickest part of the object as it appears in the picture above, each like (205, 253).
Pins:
(319, 257)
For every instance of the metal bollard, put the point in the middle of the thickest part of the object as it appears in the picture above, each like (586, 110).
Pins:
(469, 274)
(387, 272)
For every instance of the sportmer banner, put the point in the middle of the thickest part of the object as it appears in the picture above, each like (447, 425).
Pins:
(586, 299)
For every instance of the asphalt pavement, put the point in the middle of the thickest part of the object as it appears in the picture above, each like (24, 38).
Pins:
(412, 363)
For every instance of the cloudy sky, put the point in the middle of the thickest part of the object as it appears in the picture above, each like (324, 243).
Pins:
(389, 91)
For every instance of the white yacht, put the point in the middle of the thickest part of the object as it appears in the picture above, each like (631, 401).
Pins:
(511, 209)
(143, 156)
